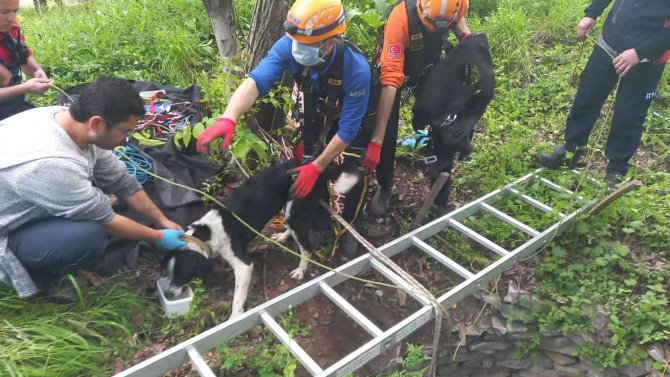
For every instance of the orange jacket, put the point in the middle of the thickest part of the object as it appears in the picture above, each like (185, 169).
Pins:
(396, 40)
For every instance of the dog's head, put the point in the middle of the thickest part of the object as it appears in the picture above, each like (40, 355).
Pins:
(190, 262)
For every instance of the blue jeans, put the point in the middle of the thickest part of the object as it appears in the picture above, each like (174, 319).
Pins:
(54, 247)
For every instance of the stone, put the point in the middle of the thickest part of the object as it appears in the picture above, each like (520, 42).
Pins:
(512, 295)
(519, 336)
(487, 363)
(480, 327)
(496, 374)
(541, 360)
(519, 364)
(517, 327)
(561, 359)
(550, 333)
(582, 338)
(498, 325)
(558, 341)
(483, 345)
(535, 371)
(634, 370)
(567, 371)
(508, 355)
(657, 354)
(446, 370)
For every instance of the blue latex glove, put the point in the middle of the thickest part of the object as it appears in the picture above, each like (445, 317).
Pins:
(170, 240)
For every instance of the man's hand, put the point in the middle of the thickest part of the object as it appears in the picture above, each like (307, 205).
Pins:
(626, 61)
(37, 85)
(372, 156)
(170, 240)
(40, 74)
(307, 176)
(585, 27)
(223, 127)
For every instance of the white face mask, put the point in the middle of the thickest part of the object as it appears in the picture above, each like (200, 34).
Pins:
(306, 55)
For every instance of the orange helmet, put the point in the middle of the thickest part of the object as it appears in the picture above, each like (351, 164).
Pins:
(311, 21)
(436, 13)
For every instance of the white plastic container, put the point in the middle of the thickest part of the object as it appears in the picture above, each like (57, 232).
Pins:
(180, 305)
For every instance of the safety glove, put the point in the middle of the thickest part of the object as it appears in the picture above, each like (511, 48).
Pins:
(299, 151)
(307, 176)
(372, 156)
(223, 127)
(171, 240)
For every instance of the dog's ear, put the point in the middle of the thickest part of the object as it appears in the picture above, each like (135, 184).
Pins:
(166, 258)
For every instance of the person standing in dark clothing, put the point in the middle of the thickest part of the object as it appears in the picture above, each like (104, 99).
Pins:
(632, 51)
(16, 57)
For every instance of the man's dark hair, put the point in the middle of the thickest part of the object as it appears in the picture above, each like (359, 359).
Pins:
(109, 97)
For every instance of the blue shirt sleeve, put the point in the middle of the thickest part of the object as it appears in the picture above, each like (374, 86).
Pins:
(356, 87)
(271, 68)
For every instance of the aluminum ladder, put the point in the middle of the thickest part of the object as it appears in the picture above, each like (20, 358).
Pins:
(192, 349)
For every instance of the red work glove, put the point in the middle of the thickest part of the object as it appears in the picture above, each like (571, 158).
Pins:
(223, 127)
(463, 37)
(307, 176)
(372, 154)
(299, 151)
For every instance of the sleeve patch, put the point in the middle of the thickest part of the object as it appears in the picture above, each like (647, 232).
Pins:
(395, 50)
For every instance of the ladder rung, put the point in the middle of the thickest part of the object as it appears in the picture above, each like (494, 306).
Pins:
(356, 315)
(199, 363)
(534, 202)
(292, 345)
(555, 186)
(510, 220)
(457, 268)
(397, 280)
(478, 238)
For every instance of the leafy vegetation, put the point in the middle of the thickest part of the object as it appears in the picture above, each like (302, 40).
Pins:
(614, 265)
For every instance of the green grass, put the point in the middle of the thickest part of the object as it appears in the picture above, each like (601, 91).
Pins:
(40, 338)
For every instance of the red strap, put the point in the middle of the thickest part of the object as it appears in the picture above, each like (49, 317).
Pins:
(665, 57)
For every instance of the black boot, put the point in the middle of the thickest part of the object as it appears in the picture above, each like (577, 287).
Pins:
(381, 202)
(560, 157)
(347, 245)
(613, 180)
(441, 206)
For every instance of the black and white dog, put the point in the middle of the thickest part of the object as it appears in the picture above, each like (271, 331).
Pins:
(256, 202)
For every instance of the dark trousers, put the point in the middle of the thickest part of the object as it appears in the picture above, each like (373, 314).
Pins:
(53, 247)
(387, 159)
(635, 93)
(13, 107)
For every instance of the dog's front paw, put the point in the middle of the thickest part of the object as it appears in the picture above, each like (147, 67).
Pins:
(297, 274)
(281, 237)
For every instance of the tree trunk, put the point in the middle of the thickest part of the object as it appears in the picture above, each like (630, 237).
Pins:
(221, 15)
(267, 25)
